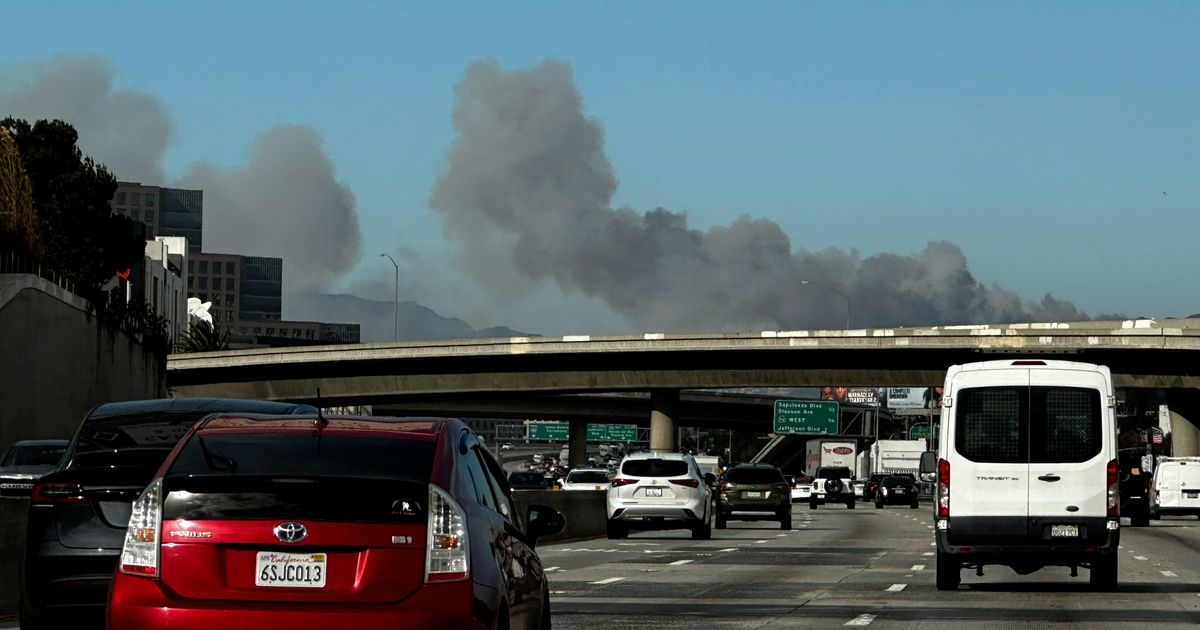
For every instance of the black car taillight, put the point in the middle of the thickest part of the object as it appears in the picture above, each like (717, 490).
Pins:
(52, 493)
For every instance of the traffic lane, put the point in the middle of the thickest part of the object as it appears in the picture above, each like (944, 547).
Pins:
(844, 565)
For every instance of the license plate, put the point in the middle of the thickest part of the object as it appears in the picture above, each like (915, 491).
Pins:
(293, 570)
(1192, 495)
(1064, 531)
(654, 492)
(753, 495)
(899, 490)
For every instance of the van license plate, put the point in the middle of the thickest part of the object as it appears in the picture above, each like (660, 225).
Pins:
(294, 570)
(654, 492)
(1192, 495)
(1064, 531)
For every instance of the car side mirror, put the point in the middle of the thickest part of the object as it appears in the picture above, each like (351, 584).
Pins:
(710, 478)
(928, 466)
(541, 520)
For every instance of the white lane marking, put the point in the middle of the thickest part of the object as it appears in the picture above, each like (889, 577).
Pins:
(917, 567)
(759, 542)
(780, 535)
(896, 588)
(608, 580)
(679, 562)
(927, 553)
(549, 569)
(861, 620)
(933, 544)
(1139, 557)
(1120, 546)
(1168, 574)
(729, 549)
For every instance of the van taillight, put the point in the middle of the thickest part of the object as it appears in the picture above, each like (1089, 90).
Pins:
(51, 493)
(943, 489)
(1114, 498)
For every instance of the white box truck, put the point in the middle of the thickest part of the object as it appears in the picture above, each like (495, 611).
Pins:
(830, 452)
(896, 456)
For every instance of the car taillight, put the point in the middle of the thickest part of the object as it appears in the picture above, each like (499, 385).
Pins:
(943, 490)
(691, 483)
(447, 550)
(723, 487)
(617, 482)
(139, 555)
(51, 493)
(1114, 498)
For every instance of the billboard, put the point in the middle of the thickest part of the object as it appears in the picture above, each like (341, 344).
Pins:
(868, 396)
(906, 397)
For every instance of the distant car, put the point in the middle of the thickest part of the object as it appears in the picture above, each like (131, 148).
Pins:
(1176, 485)
(871, 485)
(657, 490)
(801, 488)
(506, 447)
(832, 484)
(78, 514)
(586, 479)
(26, 462)
(527, 480)
(313, 522)
(536, 458)
(754, 492)
(897, 490)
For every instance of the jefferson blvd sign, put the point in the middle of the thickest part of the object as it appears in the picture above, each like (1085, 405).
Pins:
(818, 417)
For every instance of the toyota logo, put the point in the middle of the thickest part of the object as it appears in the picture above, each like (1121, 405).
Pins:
(290, 532)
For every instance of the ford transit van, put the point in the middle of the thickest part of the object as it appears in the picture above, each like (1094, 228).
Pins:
(1026, 470)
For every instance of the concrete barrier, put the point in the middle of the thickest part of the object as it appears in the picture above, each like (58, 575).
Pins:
(584, 510)
(12, 546)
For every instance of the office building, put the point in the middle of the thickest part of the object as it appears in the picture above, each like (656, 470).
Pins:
(164, 211)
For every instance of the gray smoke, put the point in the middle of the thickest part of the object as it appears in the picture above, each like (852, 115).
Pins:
(127, 130)
(526, 195)
(284, 202)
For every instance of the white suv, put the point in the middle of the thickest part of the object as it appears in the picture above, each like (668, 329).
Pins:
(656, 490)
(833, 484)
(1026, 470)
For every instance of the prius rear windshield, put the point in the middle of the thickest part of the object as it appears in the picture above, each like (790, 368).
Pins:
(305, 455)
(1017, 425)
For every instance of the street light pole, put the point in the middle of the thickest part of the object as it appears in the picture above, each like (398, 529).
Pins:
(396, 313)
(835, 290)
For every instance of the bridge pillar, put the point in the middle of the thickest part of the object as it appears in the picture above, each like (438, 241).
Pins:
(664, 404)
(1184, 409)
(577, 444)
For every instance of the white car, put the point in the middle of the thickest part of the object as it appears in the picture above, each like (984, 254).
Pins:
(1026, 469)
(657, 490)
(801, 488)
(586, 479)
(1176, 487)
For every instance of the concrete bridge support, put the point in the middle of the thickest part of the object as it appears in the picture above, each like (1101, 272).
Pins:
(664, 405)
(577, 444)
(1184, 407)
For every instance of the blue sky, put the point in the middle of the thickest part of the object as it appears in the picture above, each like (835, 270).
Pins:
(1038, 137)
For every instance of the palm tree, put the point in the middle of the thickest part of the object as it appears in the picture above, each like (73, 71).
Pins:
(203, 336)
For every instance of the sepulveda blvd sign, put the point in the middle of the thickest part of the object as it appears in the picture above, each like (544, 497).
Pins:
(806, 416)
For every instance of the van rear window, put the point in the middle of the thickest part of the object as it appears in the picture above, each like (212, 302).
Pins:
(1017, 425)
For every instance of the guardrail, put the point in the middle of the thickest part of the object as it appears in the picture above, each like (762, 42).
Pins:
(11, 262)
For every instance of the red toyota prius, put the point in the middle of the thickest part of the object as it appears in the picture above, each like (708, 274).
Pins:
(308, 522)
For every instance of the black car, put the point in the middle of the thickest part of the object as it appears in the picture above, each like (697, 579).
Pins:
(79, 512)
(26, 462)
(754, 492)
(897, 490)
(527, 480)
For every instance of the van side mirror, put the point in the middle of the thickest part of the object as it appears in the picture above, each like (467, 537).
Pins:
(928, 466)
(540, 521)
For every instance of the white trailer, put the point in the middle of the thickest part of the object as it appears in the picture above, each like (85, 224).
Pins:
(896, 456)
(821, 452)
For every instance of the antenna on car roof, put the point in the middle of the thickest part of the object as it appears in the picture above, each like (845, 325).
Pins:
(321, 421)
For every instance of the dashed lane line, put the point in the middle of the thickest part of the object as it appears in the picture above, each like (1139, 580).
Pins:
(896, 588)
(917, 567)
(679, 562)
(608, 580)
(549, 569)
(728, 549)
(1168, 573)
(861, 620)
(927, 553)
(1139, 557)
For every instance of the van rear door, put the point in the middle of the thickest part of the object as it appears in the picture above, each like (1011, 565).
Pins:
(1069, 425)
(987, 452)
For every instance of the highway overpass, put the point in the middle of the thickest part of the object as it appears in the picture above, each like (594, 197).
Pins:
(1142, 353)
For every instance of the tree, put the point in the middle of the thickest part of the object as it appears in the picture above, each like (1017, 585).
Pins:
(203, 336)
(18, 223)
(79, 236)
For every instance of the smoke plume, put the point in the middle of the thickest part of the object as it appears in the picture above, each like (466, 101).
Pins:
(285, 201)
(526, 195)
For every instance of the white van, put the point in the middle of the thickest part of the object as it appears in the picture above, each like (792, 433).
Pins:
(1026, 470)
(1176, 487)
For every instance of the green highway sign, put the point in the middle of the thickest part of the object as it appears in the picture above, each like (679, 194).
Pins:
(919, 431)
(561, 431)
(806, 416)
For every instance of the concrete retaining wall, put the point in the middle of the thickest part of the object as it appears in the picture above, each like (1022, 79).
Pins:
(584, 510)
(12, 545)
(58, 362)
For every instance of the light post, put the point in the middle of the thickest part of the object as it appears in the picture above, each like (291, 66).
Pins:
(396, 314)
(835, 290)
